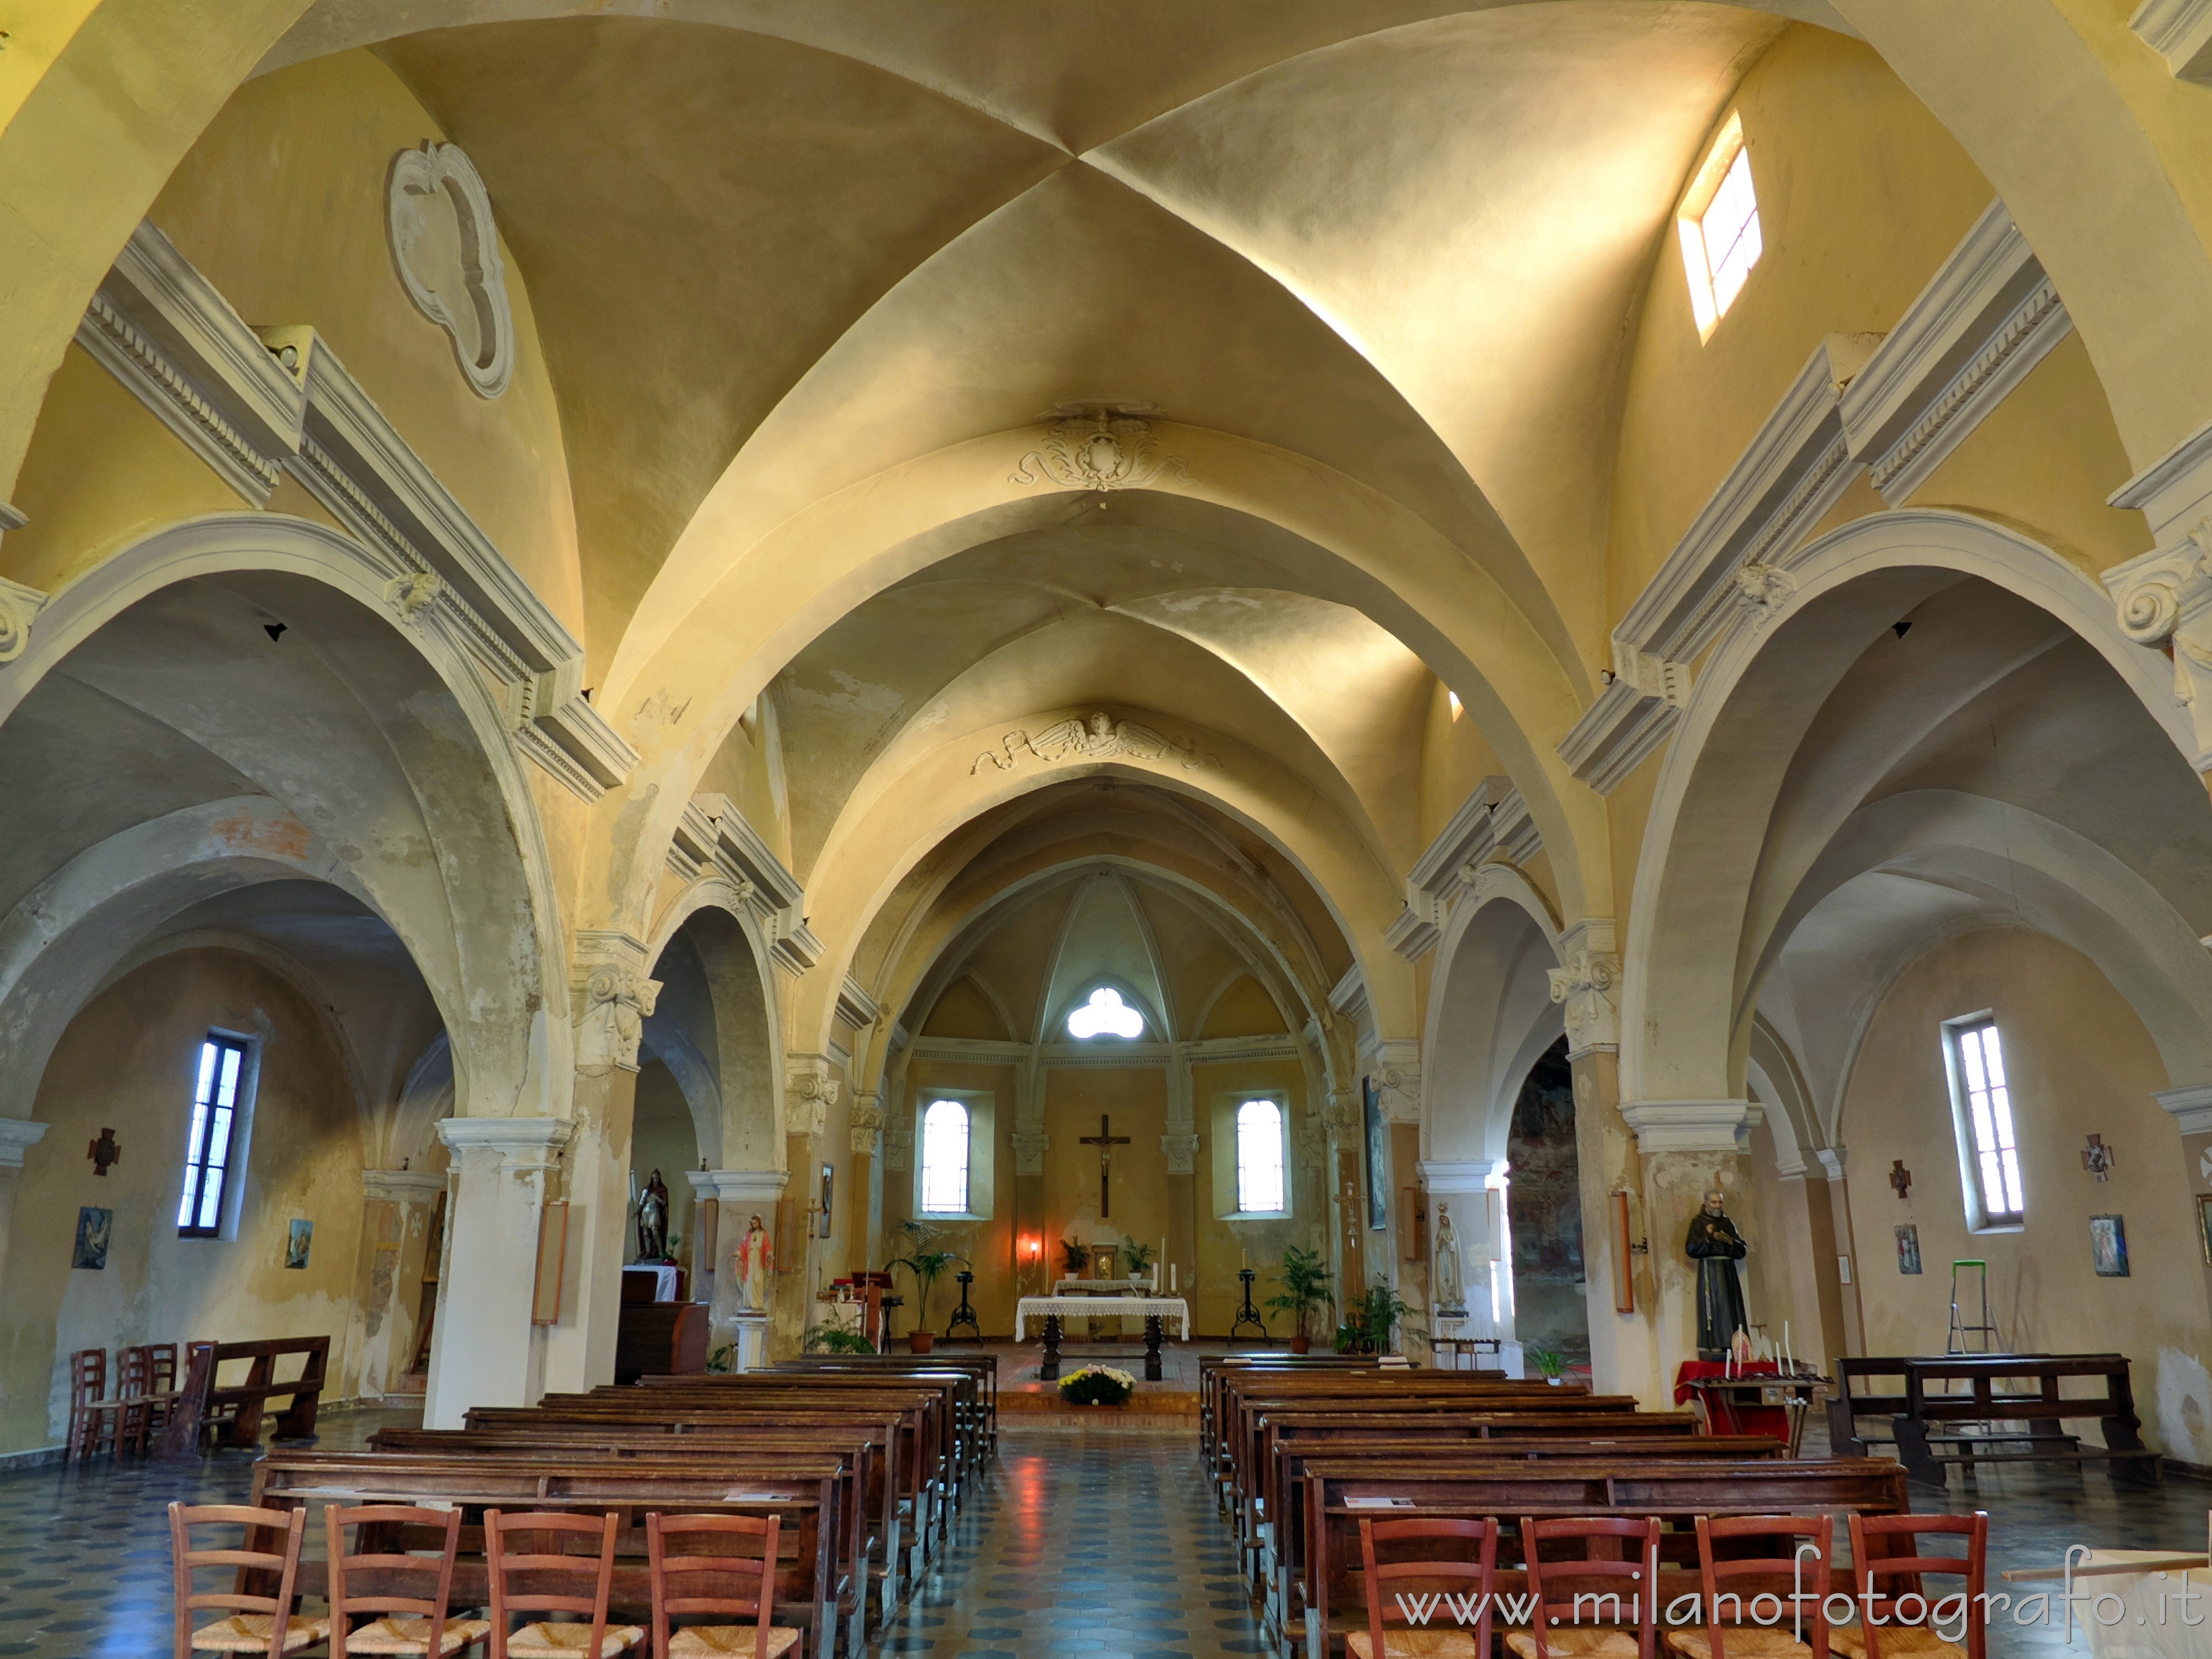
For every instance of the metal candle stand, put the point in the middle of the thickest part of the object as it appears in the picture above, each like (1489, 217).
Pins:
(964, 1313)
(1248, 1314)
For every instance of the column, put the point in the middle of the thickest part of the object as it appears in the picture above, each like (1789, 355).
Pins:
(612, 996)
(810, 1093)
(734, 1198)
(484, 1351)
(1688, 1148)
(1179, 1143)
(1398, 1071)
(1831, 1199)
(387, 1284)
(866, 1122)
(17, 1136)
(1034, 1272)
(1347, 1133)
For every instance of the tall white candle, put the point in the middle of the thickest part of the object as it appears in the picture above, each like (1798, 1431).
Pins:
(1173, 1288)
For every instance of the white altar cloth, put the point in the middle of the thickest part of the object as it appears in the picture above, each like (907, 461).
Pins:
(1040, 1308)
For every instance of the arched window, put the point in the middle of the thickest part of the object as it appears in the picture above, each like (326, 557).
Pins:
(1260, 1156)
(944, 1158)
(1105, 1015)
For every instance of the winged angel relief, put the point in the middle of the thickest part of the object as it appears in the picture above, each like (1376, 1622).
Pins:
(1104, 739)
(1106, 448)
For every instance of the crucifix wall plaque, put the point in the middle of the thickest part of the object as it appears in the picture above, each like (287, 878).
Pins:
(1105, 1140)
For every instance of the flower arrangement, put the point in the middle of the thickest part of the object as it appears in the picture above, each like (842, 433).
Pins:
(1096, 1385)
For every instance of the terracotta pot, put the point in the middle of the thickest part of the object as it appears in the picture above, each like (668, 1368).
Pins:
(921, 1341)
(1302, 1345)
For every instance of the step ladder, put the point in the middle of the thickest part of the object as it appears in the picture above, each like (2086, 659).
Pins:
(1978, 1337)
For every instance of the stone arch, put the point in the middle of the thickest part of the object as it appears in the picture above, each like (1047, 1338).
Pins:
(1490, 1014)
(717, 1024)
(1683, 1033)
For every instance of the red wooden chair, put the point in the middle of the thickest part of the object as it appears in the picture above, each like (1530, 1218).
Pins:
(519, 1579)
(758, 1639)
(1908, 1625)
(1559, 1588)
(255, 1624)
(1441, 1588)
(1798, 1632)
(365, 1581)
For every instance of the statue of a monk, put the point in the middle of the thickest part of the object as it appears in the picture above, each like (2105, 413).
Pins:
(1716, 1246)
(1451, 1287)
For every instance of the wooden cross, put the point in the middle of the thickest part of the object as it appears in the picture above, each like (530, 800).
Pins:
(1899, 1176)
(1105, 1141)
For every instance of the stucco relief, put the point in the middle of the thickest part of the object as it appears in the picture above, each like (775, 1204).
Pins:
(446, 248)
(1103, 738)
(1107, 447)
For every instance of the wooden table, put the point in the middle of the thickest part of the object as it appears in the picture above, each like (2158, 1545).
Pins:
(1456, 1345)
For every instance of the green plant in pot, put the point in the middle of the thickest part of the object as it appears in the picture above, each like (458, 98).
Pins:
(1551, 1364)
(928, 1264)
(836, 1339)
(1304, 1277)
(1073, 1258)
(1136, 1258)
(1371, 1317)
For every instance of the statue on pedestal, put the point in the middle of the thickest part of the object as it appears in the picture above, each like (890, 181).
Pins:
(754, 1259)
(1716, 1246)
(1450, 1287)
(652, 1221)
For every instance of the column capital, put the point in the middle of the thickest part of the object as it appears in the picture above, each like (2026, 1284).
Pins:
(612, 998)
(523, 1143)
(17, 1134)
(738, 1186)
(1687, 1126)
(1029, 1152)
(866, 1120)
(2190, 1104)
(1831, 1160)
(1182, 1153)
(809, 1093)
(401, 1186)
(1585, 984)
(1446, 1177)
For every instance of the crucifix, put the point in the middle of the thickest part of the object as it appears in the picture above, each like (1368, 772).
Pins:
(1899, 1176)
(1105, 1141)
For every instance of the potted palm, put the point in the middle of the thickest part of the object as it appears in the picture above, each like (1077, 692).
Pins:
(1305, 1280)
(1551, 1364)
(927, 1265)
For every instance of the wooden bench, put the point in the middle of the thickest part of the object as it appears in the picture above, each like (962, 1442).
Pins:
(805, 1493)
(234, 1410)
(1330, 1586)
(984, 1367)
(1935, 1415)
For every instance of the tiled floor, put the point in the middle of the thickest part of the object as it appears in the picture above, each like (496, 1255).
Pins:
(1102, 1541)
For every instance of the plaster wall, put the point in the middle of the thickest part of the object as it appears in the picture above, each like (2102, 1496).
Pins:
(125, 1063)
(2079, 1062)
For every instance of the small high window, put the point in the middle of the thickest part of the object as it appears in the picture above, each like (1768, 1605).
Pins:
(208, 1146)
(1718, 225)
(1105, 1015)
(944, 1158)
(1457, 707)
(1981, 1103)
(1260, 1156)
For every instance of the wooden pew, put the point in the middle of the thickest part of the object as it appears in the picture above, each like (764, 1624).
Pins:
(236, 1409)
(872, 1524)
(2041, 1414)
(1209, 1365)
(1331, 1586)
(805, 1493)
(983, 1368)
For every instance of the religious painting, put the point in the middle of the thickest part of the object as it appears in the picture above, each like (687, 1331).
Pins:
(2108, 1246)
(297, 1242)
(1908, 1249)
(1379, 1155)
(829, 1180)
(92, 1229)
(2204, 1224)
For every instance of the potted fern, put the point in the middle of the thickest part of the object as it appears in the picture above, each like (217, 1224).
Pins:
(1305, 1280)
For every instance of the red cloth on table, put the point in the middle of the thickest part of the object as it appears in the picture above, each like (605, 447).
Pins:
(1731, 1414)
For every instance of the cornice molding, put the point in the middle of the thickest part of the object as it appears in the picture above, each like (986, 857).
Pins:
(522, 1143)
(2191, 1106)
(713, 834)
(1896, 406)
(1988, 316)
(1348, 996)
(1452, 1176)
(18, 1135)
(738, 1186)
(2174, 491)
(2180, 32)
(254, 405)
(1492, 824)
(1687, 1126)
(401, 1186)
(855, 1006)
(1204, 1051)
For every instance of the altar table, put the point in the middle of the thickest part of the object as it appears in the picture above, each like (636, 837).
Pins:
(1154, 1311)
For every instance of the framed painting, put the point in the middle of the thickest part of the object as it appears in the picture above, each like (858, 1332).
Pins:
(1908, 1249)
(1379, 1155)
(94, 1228)
(829, 1182)
(2204, 1224)
(297, 1242)
(2108, 1246)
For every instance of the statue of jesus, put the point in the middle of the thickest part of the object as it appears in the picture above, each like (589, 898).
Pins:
(754, 1259)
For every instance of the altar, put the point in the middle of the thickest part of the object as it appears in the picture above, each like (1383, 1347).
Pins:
(1154, 1311)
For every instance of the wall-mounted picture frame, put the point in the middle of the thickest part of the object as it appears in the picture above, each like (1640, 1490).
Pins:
(299, 1239)
(1624, 1261)
(94, 1227)
(1378, 1154)
(552, 1262)
(1908, 1249)
(2108, 1246)
(829, 1186)
(2204, 1225)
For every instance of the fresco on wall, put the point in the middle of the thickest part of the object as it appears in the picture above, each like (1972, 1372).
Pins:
(1545, 1204)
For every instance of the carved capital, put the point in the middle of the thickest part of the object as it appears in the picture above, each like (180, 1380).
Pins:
(1585, 988)
(898, 1149)
(2164, 603)
(1182, 1153)
(866, 1120)
(19, 609)
(1029, 1152)
(1762, 590)
(612, 998)
(809, 1093)
(1342, 1111)
(1402, 1090)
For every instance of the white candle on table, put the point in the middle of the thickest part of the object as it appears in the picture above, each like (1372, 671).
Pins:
(1172, 1287)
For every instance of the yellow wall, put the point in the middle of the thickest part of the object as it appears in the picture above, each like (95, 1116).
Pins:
(125, 1063)
(2079, 1062)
